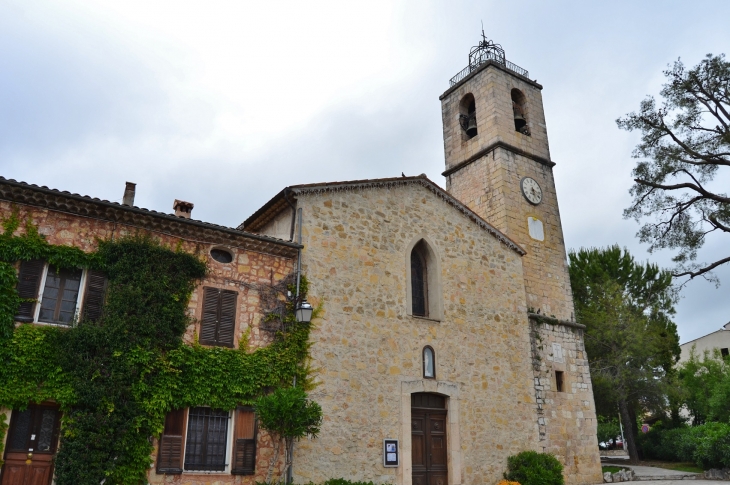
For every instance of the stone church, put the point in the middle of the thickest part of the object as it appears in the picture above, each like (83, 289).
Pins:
(448, 340)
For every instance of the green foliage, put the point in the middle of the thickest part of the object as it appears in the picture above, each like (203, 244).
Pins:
(707, 445)
(704, 386)
(533, 468)
(630, 338)
(608, 428)
(685, 144)
(3, 429)
(118, 377)
(288, 413)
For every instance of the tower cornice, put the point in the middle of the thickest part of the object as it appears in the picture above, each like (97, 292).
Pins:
(494, 146)
(484, 66)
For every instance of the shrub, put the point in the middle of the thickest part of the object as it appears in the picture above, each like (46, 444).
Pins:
(707, 445)
(533, 468)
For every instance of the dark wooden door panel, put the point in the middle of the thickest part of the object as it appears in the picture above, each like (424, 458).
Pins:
(437, 479)
(419, 456)
(419, 479)
(39, 474)
(14, 473)
(428, 445)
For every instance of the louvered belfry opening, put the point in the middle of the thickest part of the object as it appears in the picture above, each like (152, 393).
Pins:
(205, 448)
(419, 280)
(218, 322)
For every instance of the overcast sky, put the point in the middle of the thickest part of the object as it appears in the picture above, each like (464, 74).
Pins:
(224, 103)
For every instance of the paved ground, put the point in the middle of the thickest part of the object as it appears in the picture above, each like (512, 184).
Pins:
(652, 471)
(681, 482)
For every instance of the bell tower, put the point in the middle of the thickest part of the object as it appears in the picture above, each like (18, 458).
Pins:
(498, 163)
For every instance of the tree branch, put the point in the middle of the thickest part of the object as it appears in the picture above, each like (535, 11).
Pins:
(701, 271)
(686, 185)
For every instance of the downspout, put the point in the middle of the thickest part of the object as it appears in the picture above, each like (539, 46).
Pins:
(290, 472)
(293, 216)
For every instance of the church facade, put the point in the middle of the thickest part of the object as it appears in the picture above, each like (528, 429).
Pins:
(448, 333)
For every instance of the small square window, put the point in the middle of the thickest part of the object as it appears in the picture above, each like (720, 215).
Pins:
(559, 381)
(724, 353)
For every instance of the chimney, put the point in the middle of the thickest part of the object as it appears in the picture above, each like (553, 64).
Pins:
(182, 208)
(129, 194)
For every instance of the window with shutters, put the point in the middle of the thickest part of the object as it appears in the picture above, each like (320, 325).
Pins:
(205, 443)
(244, 442)
(54, 295)
(218, 322)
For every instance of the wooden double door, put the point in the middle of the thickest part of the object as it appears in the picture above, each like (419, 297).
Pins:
(428, 439)
(31, 446)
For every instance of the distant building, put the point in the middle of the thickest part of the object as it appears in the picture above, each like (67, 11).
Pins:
(719, 339)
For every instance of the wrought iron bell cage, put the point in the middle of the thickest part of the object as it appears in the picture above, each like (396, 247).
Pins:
(487, 50)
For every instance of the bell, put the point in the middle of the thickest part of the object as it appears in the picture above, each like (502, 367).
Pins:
(471, 127)
(520, 122)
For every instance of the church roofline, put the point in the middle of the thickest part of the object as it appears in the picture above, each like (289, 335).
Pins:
(278, 203)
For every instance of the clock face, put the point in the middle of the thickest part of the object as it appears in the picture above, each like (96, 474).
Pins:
(531, 190)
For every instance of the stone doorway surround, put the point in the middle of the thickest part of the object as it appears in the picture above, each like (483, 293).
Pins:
(453, 440)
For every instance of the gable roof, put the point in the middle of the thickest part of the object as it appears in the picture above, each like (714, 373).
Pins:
(85, 206)
(282, 200)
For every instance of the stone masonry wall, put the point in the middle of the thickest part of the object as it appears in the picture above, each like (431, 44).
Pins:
(367, 348)
(247, 270)
(491, 187)
(567, 419)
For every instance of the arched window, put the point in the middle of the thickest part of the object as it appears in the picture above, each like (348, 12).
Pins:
(468, 115)
(519, 109)
(429, 363)
(423, 293)
(419, 279)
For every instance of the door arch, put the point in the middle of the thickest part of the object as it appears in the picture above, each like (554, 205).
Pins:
(428, 439)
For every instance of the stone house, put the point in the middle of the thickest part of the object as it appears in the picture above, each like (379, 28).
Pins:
(719, 339)
(448, 340)
(237, 262)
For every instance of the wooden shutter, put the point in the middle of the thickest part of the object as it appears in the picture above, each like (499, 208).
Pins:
(244, 442)
(29, 280)
(94, 298)
(169, 457)
(209, 320)
(218, 322)
(227, 321)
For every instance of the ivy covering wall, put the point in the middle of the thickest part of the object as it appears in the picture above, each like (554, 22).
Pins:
(116, 378)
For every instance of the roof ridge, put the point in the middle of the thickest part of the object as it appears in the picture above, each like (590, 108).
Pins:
(139, 210)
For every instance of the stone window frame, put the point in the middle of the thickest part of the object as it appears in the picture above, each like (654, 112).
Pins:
(435, 292)
(566, 379)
